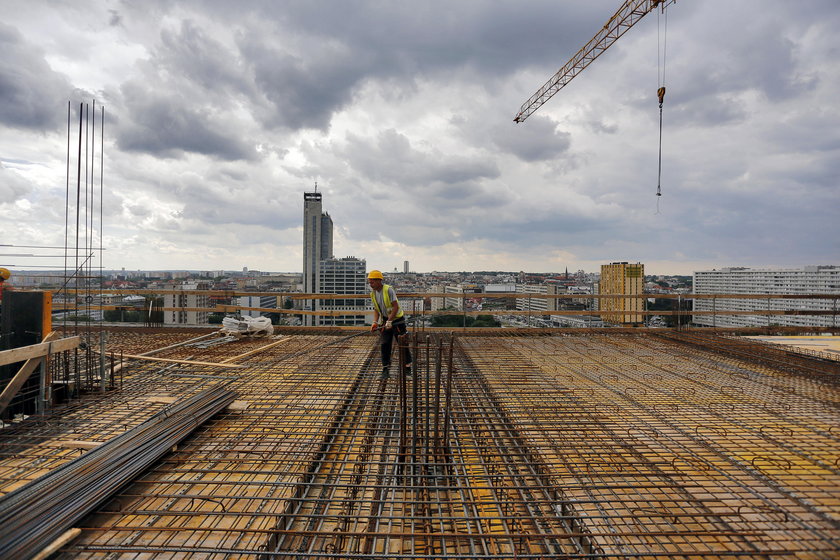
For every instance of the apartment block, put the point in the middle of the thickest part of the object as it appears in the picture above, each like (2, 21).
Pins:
(626, 279)
(537, 304)
(187, 299)
(343, 276)
(822, 279)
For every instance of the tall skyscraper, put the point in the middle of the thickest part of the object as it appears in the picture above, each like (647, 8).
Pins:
(405, 267)
(621, 278)
(317, 246)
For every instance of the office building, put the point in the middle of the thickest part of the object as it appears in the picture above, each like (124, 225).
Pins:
(190, 297)
(621, 278)
(343, 276)
(537, 304)
(460, 294)
(317, 246)
(769, 281)
(262, 302)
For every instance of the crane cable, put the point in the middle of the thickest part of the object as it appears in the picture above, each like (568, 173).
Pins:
(662, 47)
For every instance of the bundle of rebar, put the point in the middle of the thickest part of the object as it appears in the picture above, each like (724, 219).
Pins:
(37, 513)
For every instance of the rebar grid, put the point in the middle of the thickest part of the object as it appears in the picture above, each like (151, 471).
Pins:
(555, 446)
(658, 438)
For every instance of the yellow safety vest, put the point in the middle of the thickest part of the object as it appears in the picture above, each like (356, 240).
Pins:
(387, 299)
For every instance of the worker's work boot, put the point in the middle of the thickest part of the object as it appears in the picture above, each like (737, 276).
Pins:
(385, 372)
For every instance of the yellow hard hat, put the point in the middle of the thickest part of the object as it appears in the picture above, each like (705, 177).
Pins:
(375, 274)
(5, 274)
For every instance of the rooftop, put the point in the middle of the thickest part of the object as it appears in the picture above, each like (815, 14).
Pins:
(526, 445)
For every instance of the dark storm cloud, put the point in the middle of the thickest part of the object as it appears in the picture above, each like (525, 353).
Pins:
(28, 86)
(169, 125)
(314, 62)
(432, 36)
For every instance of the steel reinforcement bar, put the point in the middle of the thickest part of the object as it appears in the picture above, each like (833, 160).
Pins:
(40, 511)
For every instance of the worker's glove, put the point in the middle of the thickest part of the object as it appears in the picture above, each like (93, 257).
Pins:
(388, 325)
(373, 327)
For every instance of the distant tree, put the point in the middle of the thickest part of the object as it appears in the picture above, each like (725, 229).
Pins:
(464, 321)
(215, 318)
(485, 321)
(448, 320)
(111, 315)
(671, 304)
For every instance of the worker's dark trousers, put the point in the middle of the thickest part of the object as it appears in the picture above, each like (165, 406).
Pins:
(398, 327)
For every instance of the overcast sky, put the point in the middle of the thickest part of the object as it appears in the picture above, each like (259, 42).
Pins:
(219, 116)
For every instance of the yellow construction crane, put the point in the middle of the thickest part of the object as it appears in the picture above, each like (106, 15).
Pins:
(626, 16)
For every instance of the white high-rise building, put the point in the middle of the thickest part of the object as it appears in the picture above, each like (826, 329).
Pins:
(343, 276)
(767, 281)
(264, 302)
(317, 246)
(536, 304)
(188, 299)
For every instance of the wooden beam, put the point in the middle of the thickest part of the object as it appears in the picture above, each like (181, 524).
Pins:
(64, 539)
(238, 405)
(37, 350)
(21, 376)
(162, 400)
(188, 362)
(73, 444)
(256, 350)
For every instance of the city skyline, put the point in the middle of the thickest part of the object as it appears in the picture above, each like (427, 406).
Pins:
(218, 119)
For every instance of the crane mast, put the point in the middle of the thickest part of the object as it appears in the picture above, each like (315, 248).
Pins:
(626, 16)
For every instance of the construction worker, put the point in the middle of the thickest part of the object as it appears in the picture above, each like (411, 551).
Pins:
(4, 275)
(388, 317)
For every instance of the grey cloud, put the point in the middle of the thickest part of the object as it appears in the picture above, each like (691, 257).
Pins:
(538, 140)
(705, 110)
(168, 126)
(395, 44)
(440, 36)
(301, 92)
(392, 160)
(28, 86)
(191, 54)
(116, 19)
(220, 203)
(763, 219)
(750, 50)
(136, 209)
